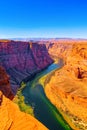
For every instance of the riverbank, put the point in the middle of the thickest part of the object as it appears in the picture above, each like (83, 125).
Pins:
(65, 97)
(44, 81)
(32, 98)
(19, 99)
(34, 94)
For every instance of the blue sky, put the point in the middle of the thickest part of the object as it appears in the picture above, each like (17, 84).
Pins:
(43, 18)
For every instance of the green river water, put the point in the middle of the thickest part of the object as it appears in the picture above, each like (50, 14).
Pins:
(44, 111)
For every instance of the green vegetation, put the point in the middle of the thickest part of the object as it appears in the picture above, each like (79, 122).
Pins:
(45, 79)
(23, 84)
(57, 113)
(20, 101)
(42, 80)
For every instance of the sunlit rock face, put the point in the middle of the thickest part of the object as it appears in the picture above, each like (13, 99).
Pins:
(59, 49)
(77, 60)
(74, 54)
(67, 89)
(22, 60)
(11, 118)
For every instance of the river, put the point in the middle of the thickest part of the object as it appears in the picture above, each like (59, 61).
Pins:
(44, 111)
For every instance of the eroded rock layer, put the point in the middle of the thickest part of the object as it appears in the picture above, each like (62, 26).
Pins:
(67, 89)
(5, 84)
(22, 60)
(14, 119)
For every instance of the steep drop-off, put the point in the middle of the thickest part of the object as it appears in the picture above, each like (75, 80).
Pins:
(5, 84)
(67, 88)
(22, 60)
(12, 119)
(59, 49)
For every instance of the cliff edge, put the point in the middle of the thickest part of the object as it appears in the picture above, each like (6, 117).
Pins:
(67, 89)
(22, 60)
(14, 119)
(5, 86)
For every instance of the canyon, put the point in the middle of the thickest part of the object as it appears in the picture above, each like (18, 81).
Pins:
(19, 61)
(67, 87)
(22, 60)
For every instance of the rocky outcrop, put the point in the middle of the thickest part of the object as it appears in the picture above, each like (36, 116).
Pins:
(67, 89)
(5, 84)
(77, 60)
(14, 119)
(74, 54)
(22, 60)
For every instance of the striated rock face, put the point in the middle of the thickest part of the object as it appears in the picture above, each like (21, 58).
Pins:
(14, 119)
(74, 55)
(67, 89)
(59, 49)
(22, 60)
(5, 84)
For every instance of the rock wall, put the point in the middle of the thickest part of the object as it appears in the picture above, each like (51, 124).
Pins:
(59, 49)
(67, 89)
(5, 86)
(77, 60)
(14, 119)
(22, 60)
(74, 54)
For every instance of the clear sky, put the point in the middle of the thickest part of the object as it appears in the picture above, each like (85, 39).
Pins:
(43, 18)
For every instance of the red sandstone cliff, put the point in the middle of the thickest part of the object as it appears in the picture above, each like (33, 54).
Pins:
(22, 60)
(5, 84)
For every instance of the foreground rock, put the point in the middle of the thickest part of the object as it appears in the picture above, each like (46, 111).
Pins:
(22, 60)
(11, 118)
(67, 89)
(14, 119)
(5, 84)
